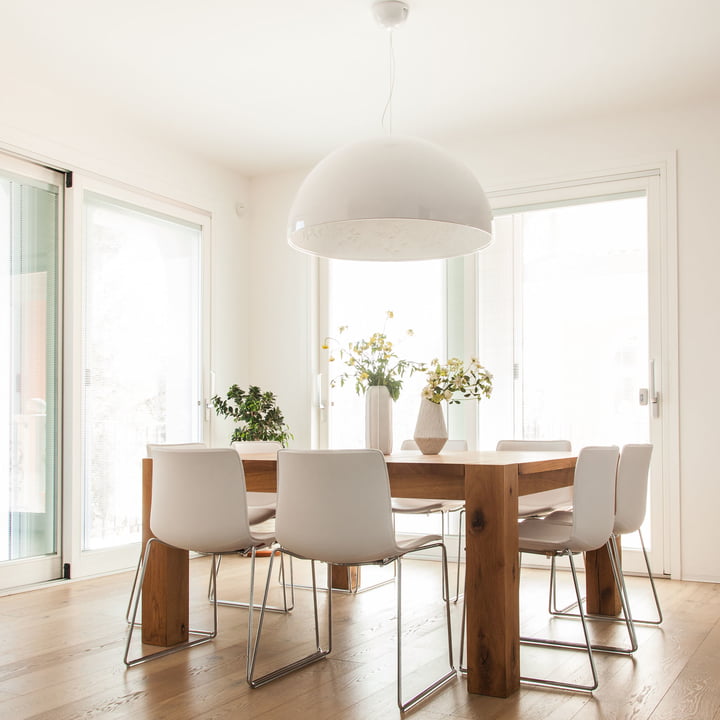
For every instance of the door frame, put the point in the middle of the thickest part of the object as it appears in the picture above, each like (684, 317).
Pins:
(659, 178)
(27, 571)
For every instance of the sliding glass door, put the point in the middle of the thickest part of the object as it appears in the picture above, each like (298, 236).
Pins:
(30, 222)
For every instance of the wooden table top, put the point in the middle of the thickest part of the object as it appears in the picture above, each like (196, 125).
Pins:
(415, 475)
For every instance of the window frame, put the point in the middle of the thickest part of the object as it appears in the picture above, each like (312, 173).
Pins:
(91, 562)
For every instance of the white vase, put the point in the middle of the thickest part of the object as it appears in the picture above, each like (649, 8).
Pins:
(430, 430)
(378, 419)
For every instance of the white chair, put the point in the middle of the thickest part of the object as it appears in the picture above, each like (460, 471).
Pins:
(591, 528)
(150, 449)
(544, 502)
(334, 507)
(198, 504)
(630, 507)
(425, 506)
(260, 509)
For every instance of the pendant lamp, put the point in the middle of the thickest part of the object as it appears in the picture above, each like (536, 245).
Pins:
(390, 198)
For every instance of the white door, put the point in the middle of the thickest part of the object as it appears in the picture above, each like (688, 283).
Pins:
(578, 349)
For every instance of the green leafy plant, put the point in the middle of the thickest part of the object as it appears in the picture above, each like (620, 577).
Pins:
(256, 414)
(372, 362)
(446, 381)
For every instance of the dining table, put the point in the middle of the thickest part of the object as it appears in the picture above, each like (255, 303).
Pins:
(490, 483)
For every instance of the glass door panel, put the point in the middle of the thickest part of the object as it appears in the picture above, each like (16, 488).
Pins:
(142, 356)
(29, 488)
(577, 280)
(582, 341)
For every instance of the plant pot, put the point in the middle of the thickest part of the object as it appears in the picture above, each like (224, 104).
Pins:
(430, 430)
(378, 419)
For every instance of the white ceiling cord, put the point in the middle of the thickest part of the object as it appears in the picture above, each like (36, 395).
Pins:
(387, 112)
(390, 14)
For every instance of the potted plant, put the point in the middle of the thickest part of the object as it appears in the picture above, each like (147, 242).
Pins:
(256, 414)
(452, 381)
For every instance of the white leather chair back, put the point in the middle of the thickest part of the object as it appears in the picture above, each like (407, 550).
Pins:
(534, 445)
(449, 446)
(594, 497)
(632, 484)
(150, 447)
(198, 499)
(334, 505)
(250, 447)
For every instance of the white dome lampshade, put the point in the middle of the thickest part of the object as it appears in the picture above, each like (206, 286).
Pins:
(391, 198)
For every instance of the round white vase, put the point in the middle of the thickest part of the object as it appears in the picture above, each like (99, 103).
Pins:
(430, 430)
(378, 419)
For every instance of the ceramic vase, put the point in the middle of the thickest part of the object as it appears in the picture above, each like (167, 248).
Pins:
(378, 419)
(430, 430)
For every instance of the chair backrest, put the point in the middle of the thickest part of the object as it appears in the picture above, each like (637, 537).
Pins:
(449, 446)
(334, 505)
(594, 497)
(252, 447)
(198, 499)
(534, 445)
(631, 489)
(150, 447)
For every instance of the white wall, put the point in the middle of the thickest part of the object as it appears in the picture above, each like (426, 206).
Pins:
(523, 158)
(280, 322)
(81, 137)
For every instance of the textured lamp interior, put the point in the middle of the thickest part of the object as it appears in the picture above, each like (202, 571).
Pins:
(392, 198)
(397, 239)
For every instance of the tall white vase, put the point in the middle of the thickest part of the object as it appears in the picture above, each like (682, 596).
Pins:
(430, 430)
(378, 419)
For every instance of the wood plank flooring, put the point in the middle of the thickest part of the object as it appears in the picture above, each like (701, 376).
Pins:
(61, 653)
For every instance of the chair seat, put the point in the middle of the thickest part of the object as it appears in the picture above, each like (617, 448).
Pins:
(560, 517)
(425, 505)
(263, 539)
(544, 502)
(540, 535)
(261, 498)
(393, 549)
(405, 545)
(257, 540)
(260, 514)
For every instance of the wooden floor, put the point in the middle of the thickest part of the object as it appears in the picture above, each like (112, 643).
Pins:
(61, 657)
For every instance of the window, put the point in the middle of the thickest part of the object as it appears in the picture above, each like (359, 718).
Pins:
(141, 356)
(359, 295)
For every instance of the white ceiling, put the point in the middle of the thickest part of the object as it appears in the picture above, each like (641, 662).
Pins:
(265, 85)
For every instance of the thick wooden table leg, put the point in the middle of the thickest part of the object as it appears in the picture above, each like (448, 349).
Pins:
(492, 584)
(345, 578)
(165, 594)
(601, 590)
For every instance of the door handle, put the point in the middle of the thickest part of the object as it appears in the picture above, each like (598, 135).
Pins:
(654, 394)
